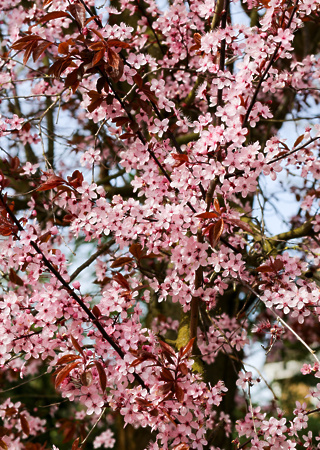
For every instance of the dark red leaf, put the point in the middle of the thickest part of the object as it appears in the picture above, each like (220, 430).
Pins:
(243, 225)
(11, 411)
(119, 262)
(66, 359)
(265, 268)
(97, 46)
(37, 52)
(183, 368)
(207, 215)
(77, 10)
(117, 43)
(3, 445)
(179, 392)
(165, 388)
(102, 375)
(86, 378)
(95, 104)
(63, 48)
(25, 41)
(138, 80)
(52, 182)
(186, 351)
(31, 47)
(116, 71)
(76, 179)
(166, 375)
(98, 57)
(181, 446)
(151, 96)
(216, 205)
(120, 279)
(24, 425)
(167, 348)
(63, 373)
(14, 278)
(181, 159)
(215, 232)
(75, 444)
(136, 251)
(298, 141)
(126, 135)
(197, 38)
(73, 79)
(97, 33)
(277, 265)
(96, 311)
(53, 15)
(143, 402)
(113, 58)
(76, 345)
(102, 84)
(120, 121)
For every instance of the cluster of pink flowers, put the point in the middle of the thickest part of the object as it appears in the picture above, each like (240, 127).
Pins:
(174, 120)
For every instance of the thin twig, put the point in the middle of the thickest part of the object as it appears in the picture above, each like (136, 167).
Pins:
(25, 382)
(92, 258)
(93, 427)
(279, 319)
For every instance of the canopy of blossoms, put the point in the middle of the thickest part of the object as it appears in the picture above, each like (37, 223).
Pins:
(139, 142)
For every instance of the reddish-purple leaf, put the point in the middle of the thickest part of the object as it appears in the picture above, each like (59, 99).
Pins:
(207, 215)
(66, 359)
(14, 278)
(216, 205)
(186, 351)
(96, 311)
(166, 347)
(97, 33)
(165, 388)
(215, 232)
(117, 43)
(63, 48)
(76, 345)
(179, 392)
(53, 15)
(77, 10)
(3, 445)
(120, 279)
(264, 268)
(75, 444)
(166, 375)
(86, 378)
(24, 425)
(181, 159)
(239, 223)
(181, 446)
(52, 182)
(119, 262)
(102, 375)
(63, 373)
(298, 141)
(28, 51)
(183, 368)
(97, 46)
(37, 51)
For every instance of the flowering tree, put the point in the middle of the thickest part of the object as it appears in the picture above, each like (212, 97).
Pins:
(139, 143)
